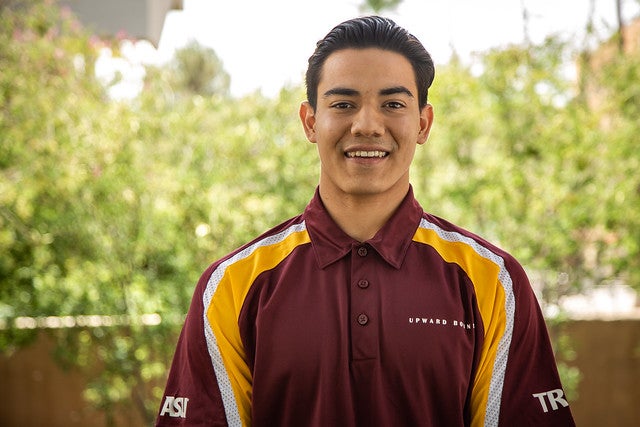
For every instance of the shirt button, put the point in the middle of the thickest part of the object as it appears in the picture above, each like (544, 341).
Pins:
(362, 251)
(363, 284)
(363, 319)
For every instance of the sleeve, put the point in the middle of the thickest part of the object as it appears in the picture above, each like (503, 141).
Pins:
(192, 396)
(516, 381)
(532, 393)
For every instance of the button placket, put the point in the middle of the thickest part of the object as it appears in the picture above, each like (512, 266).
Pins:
(364, 304)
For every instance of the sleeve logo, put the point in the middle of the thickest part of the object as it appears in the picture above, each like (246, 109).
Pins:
(554, 397)
(174, 407)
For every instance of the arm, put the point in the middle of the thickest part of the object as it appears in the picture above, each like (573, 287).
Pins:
(517, 382)
(532, 393)
(192, 396)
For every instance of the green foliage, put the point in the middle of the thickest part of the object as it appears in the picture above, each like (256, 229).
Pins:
(198, 71)
(517, 155)
(110, 208)
(44, 62)
(617, 243)
(377, 6)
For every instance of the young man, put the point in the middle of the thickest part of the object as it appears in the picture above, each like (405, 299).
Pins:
(365, 310)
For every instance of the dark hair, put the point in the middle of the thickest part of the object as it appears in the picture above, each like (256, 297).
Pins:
(376, 32)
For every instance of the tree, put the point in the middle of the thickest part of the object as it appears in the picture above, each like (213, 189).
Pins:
(378, 6)
(110, 210)
(527, 162)
(34, 155)
(198, 70)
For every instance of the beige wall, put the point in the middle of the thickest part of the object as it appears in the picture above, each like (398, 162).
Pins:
(608, 355)
(36, 392)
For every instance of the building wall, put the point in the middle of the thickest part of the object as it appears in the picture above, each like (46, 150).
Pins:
(141, 19)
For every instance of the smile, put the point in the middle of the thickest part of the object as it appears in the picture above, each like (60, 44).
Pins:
(366, 154)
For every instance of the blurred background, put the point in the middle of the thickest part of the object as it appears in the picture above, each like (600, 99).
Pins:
(140, 140)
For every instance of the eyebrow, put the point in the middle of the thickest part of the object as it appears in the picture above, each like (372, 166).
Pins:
(396, 90)
(344, 91)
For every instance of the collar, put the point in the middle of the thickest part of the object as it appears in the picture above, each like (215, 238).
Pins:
(330, 243)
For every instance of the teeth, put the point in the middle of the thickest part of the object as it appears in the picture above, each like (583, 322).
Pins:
(353, 154)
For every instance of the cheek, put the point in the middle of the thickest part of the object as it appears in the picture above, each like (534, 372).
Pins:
(329, 133)
(406, 140)
(407, 135)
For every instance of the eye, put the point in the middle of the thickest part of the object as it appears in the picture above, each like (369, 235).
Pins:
(394, 105)
(341, 105)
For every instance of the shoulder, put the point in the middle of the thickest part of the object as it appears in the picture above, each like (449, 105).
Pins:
(471, 251)
(291, 233)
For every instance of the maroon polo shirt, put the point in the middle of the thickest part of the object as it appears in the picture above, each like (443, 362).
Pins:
(425, 324)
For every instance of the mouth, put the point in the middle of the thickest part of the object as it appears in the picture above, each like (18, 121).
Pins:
(366, 154)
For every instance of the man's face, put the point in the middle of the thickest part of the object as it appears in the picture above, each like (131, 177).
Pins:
(367, 122)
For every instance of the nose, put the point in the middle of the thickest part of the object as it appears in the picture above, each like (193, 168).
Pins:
(367, 122)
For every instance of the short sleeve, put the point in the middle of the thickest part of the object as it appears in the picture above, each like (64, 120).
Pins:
(192, 396)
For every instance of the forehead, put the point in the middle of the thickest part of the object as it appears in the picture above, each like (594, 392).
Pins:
(367, 69)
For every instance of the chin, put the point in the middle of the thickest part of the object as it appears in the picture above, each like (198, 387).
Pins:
(366, 190)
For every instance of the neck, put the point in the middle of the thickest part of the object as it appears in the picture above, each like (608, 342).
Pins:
(361, 216)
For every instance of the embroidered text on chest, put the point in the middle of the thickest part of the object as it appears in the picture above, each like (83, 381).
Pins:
(433, 321)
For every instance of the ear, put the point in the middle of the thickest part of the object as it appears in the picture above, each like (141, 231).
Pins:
(308, 119)
(426, 120)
